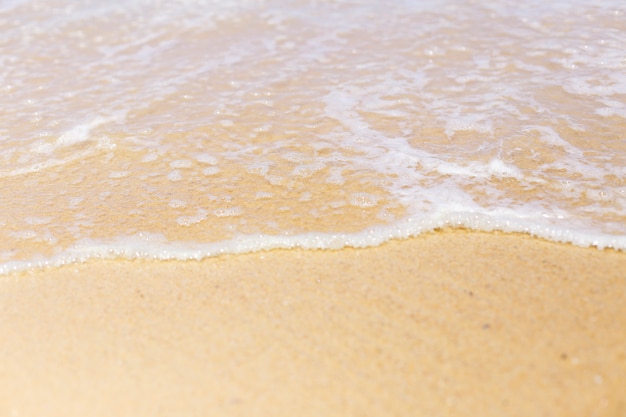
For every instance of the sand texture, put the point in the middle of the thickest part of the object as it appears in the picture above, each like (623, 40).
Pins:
(448, 324)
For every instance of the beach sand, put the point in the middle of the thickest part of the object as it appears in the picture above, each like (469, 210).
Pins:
(452, 323)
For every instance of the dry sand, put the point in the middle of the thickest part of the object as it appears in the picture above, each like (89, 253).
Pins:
(448, 324)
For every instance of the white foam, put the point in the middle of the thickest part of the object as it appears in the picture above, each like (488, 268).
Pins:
(263, 195)
(38, 220)
(468, 122)
(149, 157)
(156, 246)
(211, 171)
(189, 220)
(118, 174)
(181, 163)
(175, 175)
(307, 170)
(364, 200)
(50, 161)
(228, 212)
(206, 158)
(499, 168)
(335, 177)
(74, 202)
(297, 157)
(175, 203)
(259, 168)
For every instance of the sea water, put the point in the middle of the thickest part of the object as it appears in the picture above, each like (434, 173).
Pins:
(185, 129)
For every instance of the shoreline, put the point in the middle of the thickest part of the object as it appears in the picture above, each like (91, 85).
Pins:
(116, 250)
(447, 323)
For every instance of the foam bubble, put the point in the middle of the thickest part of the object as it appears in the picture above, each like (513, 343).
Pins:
(118, 174)
(190, 220)
(206, 158)
(175, 175)
(181, 163)
(307, 170)
(38, 220)
(364, 200)
(74, 202)
(228, 212)
(177, 203)
(263, 195)
(211, 171)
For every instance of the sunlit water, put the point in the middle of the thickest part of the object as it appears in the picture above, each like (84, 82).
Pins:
(184, 129)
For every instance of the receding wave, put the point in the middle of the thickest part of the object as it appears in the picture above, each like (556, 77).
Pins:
(202, 128)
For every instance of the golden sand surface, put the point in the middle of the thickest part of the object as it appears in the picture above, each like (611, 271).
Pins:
(451, 323)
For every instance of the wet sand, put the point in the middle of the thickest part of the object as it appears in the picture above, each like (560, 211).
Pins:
(452, 323)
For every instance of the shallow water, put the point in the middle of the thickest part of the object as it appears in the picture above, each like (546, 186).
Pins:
(185, 129)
